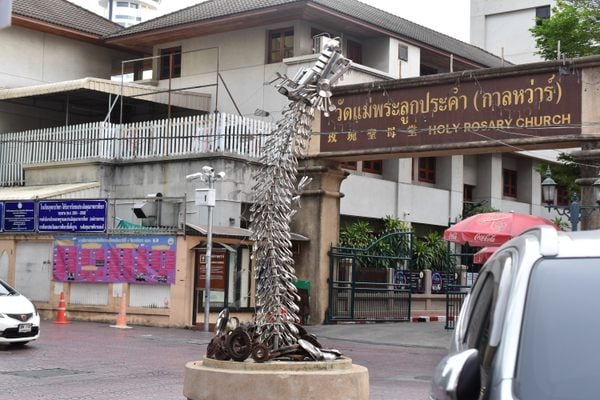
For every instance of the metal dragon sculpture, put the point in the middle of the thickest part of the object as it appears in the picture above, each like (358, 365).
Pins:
(275, 329)
(276, 191)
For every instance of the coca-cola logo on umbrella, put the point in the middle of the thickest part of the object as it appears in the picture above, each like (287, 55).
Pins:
(492, 229)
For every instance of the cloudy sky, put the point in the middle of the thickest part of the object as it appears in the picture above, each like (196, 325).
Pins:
(447, 16)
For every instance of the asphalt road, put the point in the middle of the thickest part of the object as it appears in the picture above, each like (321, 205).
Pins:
(92, 361)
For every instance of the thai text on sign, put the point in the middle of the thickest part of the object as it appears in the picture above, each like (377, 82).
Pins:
(492, 109)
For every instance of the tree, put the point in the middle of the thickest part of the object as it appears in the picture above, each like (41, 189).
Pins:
(564, 174)
(575, 23)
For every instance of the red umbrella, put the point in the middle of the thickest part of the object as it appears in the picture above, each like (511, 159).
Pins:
(492, 229)
(482, 255)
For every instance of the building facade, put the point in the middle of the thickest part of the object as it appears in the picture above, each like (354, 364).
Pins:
(225, 56)
(502, 27)
(124, 13)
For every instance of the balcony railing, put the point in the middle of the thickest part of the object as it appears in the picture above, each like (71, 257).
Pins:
(221, 133)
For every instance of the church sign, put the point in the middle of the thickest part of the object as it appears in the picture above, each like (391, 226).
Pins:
(541, 105)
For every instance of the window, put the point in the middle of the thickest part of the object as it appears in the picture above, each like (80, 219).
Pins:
(561, 365)
(373, 166)
(509, 179)
(427, 70)
(468, 193)
(541, 13)
(402, 52)
(281, 45)
(479, 320)
(426, 171)
(230, 277)
(354, 51)
(348, 165)
(170, 63)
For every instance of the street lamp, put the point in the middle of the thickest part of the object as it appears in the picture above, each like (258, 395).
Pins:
(574, 211)
(207, 198)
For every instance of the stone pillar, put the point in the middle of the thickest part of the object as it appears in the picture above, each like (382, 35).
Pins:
(462, 274)
(318, 218)
(589, 160)
(489, 179)
(427, 277)
(589, 156)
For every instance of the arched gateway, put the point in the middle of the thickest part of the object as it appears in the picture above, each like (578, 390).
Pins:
(546, 105)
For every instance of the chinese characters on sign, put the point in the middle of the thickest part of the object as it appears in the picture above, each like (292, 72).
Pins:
(492, 109)
(132, 259)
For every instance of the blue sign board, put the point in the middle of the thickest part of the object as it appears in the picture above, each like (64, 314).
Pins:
(72, 216)
(19, 216)
(1, 217)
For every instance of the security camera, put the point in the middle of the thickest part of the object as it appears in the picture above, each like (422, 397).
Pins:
(193, 176)
(221, 175)
(206, 169)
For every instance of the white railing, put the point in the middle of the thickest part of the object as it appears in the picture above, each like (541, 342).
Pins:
(223, 133)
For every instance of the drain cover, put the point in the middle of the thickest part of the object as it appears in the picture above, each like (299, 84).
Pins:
(44, 373)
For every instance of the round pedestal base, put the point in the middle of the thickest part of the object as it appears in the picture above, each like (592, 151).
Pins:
(275, 380)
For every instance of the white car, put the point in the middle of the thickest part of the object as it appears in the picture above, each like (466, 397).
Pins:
(19, 320)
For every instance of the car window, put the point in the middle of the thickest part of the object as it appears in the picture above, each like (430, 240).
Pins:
(6, 290)
(558, 356)
(478, 325)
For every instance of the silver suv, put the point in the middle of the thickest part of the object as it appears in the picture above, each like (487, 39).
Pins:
(530, 327)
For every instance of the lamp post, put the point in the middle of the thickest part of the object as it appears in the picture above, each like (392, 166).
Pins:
(207, 198)
(574, 211)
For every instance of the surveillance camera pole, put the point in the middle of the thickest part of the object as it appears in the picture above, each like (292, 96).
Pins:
(211, 183)
(208, 175)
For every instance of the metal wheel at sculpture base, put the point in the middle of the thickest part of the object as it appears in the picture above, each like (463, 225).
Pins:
(239, 344)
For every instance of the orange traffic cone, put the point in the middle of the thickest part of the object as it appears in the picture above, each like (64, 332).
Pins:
(61, 315)
(122, 316)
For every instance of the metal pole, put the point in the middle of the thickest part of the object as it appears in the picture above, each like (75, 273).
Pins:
(211, 181)
(574, 210)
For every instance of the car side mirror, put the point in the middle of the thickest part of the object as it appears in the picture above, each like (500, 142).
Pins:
(457, 377)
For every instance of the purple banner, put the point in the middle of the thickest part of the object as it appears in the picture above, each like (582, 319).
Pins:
(116, 259)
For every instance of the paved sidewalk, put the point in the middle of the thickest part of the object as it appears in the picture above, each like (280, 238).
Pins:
(91, 361)
(430, 335)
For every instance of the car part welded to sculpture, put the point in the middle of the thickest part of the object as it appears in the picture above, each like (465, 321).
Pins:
(275, 331)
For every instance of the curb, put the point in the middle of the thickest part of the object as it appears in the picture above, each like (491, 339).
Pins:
(431, 318)
(420, 318)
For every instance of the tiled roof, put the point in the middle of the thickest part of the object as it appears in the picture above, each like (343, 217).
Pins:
(65, 14)
(206, 10)
(213, 9)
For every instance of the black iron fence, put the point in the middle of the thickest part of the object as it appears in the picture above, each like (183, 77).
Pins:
(367, 301)
(455, 296)
(372, 284)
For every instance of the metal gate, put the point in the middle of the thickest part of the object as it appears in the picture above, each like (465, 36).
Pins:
(369, 284)
(457, 292)
(455, 295)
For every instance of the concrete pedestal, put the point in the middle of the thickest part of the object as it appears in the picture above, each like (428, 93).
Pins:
(275, 380)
